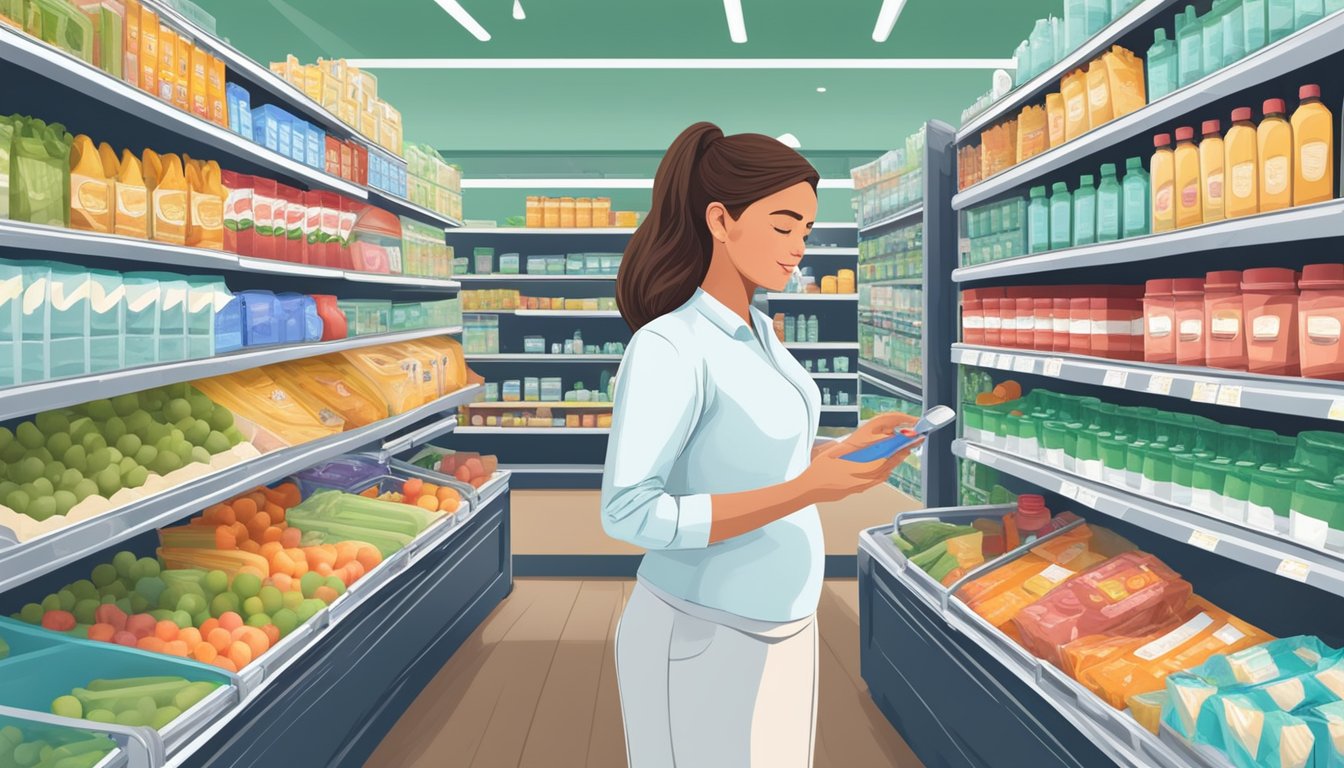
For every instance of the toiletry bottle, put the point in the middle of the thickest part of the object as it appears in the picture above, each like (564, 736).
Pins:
(1085, 212)
(1212, 156)
(1234, 33)
(1135, 189)
(1061, 215)
(1313, 148)
(1274, 145)
(813, 332)
(1189, 210)
(1162, 75)
(1162, 170)
(1189, 47)
(1280, 19)
(1242, 166)
(1108, 205)
(1038, 221)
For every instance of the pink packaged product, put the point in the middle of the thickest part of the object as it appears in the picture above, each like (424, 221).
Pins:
(1131, 594)
(1117, 328)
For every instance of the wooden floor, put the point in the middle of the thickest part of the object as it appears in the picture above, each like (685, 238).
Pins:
(535, 686)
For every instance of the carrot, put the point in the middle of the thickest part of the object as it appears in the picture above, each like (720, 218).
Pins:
(224, 538)
(245, 507)
(250, 546)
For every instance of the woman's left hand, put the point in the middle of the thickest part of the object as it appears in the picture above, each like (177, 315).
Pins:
(874, 430)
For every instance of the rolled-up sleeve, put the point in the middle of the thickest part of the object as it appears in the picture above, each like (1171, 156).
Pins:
(658, 397)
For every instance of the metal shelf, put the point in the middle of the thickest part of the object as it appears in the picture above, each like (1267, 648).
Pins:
(403, 207)
(544, 231)
(27, 399)
(1304, 47)
(840, 408)
(812, 296)
(822, 250)
(1308, 222)
(525, 358)
(917, 282)
(533, 430)
(913, 395)
(1259, 549)
(889, 377)
(843, 376)
(914, 211)
(804, 346)
(1313, 398)
(546, 312)
(497, 278)
(23, 562)
(1010, 104)
(41, 59)
(529, 404)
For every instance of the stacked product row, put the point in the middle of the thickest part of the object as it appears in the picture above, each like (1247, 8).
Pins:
(433, 183)
(896, 255)
(574, 213)
(586, 264)
(803, 281)
(481, 337)
(350, 94)
(1291, 486)
(1053, 38)
(274, 128)
(507, 300)
(890, 344)
(892, 182)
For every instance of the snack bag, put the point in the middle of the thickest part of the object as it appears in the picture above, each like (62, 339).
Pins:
(352, 397)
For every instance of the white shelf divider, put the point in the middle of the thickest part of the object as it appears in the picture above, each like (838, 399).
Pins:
(524, 231)
(559, 431)
(908, 215)
(821, 346)
(497, 278)
(786, 297)
(525, 358)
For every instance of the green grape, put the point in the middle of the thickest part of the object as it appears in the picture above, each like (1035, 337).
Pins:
(126, 465)
(30, 436)
(109, 481)
(215, 582)
(6, 437)
(223, 603)
(138, 421)
(99, 460)
(199, 456)
(85, 611)
(246, 585)
(59, 443)
(43, 487)
(197, 432)
(17, 501)
(220, 418)
(42, 454)
(272, 599)
(146, 455)
(28, 470)
(285, 620)
(7, 487)
(51, 422)
(31, 614)
(125, 405)
(149, 567)
(67, 599)
(216, 442)
(123, 561)
(65, 501)
(69, 479)
(181, 618)
(114, 429)
(201, 407)
(252, 606)
(177, 409)
(81, 428)
(85, 489)
(183, 451)
(42, 508)
(113, 455)
(135, 478)
(128, 444)
(235, 437)
(101, 410)
(84, 590)
(166, 462)
(13, 452)
(93, 442)
(258, 620)
(51, 603)
(53, 472)
(76, 457)
(138, 603)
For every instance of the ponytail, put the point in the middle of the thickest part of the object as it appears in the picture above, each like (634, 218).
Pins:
(668, 255)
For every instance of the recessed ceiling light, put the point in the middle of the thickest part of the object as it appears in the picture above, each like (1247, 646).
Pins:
(886, 19)
(460, 15)
(737, 27)
(821, 89)
(518, 10)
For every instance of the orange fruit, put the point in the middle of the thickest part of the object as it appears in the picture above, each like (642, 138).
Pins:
(291, 538)
(369, 557)
(102, 633)
(246, 508)
(272, 634)
(151, 644)
(220, 638)
(324, 569)
(177, 648)
(226, 664)
(205, 653)
(256, 641)
(325, 594)
(1009, 390)
(272, 535)
(430, 503)
(191, 636)
(240, 653)
(270, 548)
(282, 581)
(226, 514)
(224, 538)
(230, 621)
(250, 546)
(166, 631)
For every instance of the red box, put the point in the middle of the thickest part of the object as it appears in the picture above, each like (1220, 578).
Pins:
(1080, 326)
(240, 230)
(333, 157)
(264, 204)
(1026, 322)
(347, 161)
(1042, 338)
(972, 318)
(1117, 326)
(993, 321)
(1059, 324)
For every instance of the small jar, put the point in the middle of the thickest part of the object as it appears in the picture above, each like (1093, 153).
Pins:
(1269, 296)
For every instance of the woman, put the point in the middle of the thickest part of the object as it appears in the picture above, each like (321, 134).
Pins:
(711, 465)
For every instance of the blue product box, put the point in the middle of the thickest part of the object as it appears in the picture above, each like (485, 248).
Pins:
(377, 178)
(266, 122)
(317, 147)
(263, 318)
(240, 108)
(286, 134)
(298, 318)
(298, 141)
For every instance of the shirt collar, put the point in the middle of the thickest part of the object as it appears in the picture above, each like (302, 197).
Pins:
(727, 320)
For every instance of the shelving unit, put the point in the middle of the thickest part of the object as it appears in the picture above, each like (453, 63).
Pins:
(821, 346)
(908, 215)
(538, 358)
(785, 297)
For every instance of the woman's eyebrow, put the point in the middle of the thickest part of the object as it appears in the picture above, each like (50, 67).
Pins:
(793, 214)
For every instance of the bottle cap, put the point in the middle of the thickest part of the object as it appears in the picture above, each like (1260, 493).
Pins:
(1161, 287)
(1187, 285)
(1038, 191)
(1061, 187)
(1211, 127)
(1162, 140)
(1241, 114)
(1269, 279)
(1134, 164)
(1322, 276)
(1086, 180)
(1309, 92)
(1226, 278)
(1185, 134)
(1274, 107)
(1107, 169)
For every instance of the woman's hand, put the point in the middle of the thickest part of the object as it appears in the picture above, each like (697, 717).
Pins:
(874, 430)
(831, 478)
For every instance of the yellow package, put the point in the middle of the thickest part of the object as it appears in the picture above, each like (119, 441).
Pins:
(1117, 668)
(455, 374)
(182, 83)
(132, 216)
(205, 222)
(1099, 110)
(312, 82)
(1000, 594)
(214, 87)
(1074, 90)
(1054, 110)
(273, 418)
(149, 51)
(198, 90)
(348, 394)
(396, 377)
(91, 191)
(167, 73)
(168, 198)
(1032, 133)
(1125, 72)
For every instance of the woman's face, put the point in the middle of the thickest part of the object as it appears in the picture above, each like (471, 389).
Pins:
(768, 241)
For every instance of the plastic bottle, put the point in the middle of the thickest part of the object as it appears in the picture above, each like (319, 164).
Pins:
(1108, 205)
(1212, 156)
(1189, 47)
(1234, 32)
(1313, 148)
(1280, 15)
(1022, 63)
(1189, 198)
(1085, 211)
(132, 216)
(1307, 12)
(1075, 23)
(1255, 20)
(1274, 145)
(1135, 188)
(1162, 169)
(813, 331)
(1061, 214)
(1212, 37)
(1038, 221)
(1162, 75)
(1031, 516)
(1042, 47)
(1243, 168)
(1057, 38)
(1098, 16)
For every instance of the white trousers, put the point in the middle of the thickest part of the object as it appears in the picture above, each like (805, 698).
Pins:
(702, 688)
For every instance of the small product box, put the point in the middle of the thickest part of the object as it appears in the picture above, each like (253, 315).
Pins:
(552, 389)
(574, 263)
(298, 141)
(531, 389)
(555, 265)
(484, 260)
(534, 345)
(263, 320)
(266, 122)
(240, 109)
(508, 264)
(536, 265)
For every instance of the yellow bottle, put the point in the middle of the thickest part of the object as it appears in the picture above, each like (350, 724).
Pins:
(132, 216)
(1189, 206)
(1274, 143)
(1241, 159)
(1054, 111)
(205, 223)
(1313, 148)
(1211, 163)
(1163, 180)
(90, 190)
(168, 198)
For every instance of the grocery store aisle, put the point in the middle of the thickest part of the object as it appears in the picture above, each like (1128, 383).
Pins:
(535, 686)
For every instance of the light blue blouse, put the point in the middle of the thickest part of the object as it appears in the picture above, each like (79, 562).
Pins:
(704, 406)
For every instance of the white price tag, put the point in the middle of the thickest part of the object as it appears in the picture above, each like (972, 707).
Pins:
(1053, 366)
(970, 358)
(1024, 365)
(1294, 569)
(1004, 362)
(1205, 392)
(1159, 384)
(964, 245)
(1087, 498)
(973, 454)
(1229, 395)
(1337, 409)
(1068, 489)
(1204, 540)
(1116, 378)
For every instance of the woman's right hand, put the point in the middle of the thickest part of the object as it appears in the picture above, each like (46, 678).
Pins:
(831, 478)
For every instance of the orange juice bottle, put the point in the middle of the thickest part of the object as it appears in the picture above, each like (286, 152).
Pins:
(1240, 158)
(1163, 175)
(1189, 205)
(149, 50)
(182, 80)
(1274, 143)
(205, 227)
(90, 189)
(132, 217)
(1313, 148)
(1211, 170)
(197, 94)
(167, 64)
(169, 202)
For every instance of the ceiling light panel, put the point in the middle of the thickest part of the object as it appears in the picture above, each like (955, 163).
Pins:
(886, 19)
(737, 26)
(468, 22)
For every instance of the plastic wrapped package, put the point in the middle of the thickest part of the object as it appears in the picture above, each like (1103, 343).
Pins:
(1132, 593)
(345, 392)
(396, 376)
(264, 412)
(998, 595)
(455, 374)
(229, 561)
(1327, 725)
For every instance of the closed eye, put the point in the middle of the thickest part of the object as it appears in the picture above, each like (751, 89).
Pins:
(782, 231)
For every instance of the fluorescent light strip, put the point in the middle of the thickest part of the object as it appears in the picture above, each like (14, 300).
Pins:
(460, 15)
(737, 27)
(600, 184)
(682, 63)
(886, 19)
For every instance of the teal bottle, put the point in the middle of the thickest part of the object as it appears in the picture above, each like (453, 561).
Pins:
(1042, 47)
(1255, 19)
(1038, 221)
(1307, 12)
(1075, 24)
(1057, 37)
(1061, 216)
(1212, 37)
(1136, 212)
(1098, 16)
(1189, 47)
(1333, 5)
(1281, 15)
(1085, 212)
(1161, 65)
(1109, 203)
(1234, 33)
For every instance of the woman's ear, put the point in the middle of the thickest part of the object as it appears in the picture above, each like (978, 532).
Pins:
(717, 218)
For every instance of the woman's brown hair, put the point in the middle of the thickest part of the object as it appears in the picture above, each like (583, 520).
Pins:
(668, 256)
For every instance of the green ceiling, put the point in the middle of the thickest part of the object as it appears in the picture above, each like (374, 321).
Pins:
(475, 110)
